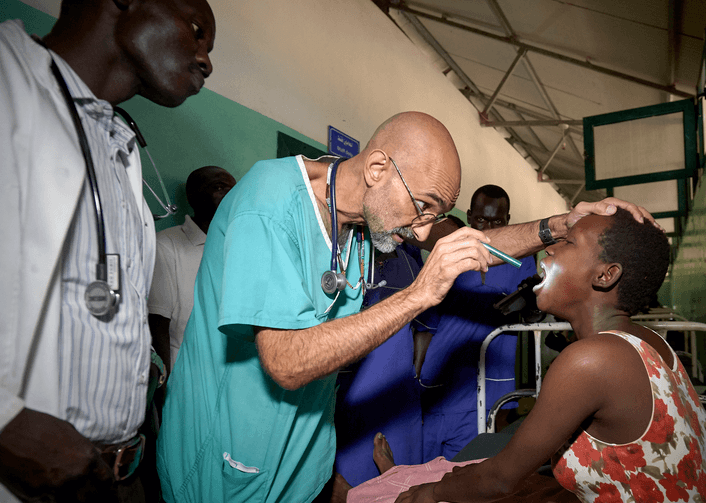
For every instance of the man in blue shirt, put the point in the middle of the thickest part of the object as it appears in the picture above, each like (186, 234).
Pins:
(467, 316)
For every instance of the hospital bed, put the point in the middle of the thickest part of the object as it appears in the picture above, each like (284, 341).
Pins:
(660, 320)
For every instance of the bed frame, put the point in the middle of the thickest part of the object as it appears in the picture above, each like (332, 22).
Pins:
(661, 320)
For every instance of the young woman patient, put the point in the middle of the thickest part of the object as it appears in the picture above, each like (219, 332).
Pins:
(617, 413)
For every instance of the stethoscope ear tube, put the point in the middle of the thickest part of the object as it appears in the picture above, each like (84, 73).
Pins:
(170, 208)
(103, 294)
(332, 280)
(334, 216)
(133, 125)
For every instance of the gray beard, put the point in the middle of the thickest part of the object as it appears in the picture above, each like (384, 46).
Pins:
(385, 243)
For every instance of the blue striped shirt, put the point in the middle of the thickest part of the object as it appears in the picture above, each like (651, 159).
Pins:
(104, 363)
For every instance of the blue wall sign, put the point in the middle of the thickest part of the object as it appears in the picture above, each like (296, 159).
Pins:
(341, 144)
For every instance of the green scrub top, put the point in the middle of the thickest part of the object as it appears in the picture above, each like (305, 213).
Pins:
(230, 433)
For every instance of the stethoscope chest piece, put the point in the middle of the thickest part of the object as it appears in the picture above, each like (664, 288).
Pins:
(332, 282)
(103, 294)
(100, 298)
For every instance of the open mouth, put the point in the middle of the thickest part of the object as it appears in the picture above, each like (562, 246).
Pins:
(542, 274)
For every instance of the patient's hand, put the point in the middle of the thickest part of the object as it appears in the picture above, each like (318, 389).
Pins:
(418, 494)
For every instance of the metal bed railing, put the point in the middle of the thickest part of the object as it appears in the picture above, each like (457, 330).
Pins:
(651, 320)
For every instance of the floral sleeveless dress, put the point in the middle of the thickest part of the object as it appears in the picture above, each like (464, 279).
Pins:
(667, 463)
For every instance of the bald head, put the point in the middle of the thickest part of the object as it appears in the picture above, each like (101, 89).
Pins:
(412, 174)
(420, 144)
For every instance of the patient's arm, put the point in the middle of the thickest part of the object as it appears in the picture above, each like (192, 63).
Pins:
(575, 389)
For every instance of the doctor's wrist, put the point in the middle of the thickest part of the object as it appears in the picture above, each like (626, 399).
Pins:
(558, 226)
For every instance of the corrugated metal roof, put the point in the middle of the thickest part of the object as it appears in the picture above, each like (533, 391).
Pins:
(580, 58)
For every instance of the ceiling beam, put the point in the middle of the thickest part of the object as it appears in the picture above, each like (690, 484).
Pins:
(520, 55)
(532, 131)
(577, 193)
(509, 31)
(531, 113)
(500, 17)
(676, 12)
(544, 151)
(429, 39)
(551, 157)
(548, 122)
(564, 182)
(443, 19)
(471, 87)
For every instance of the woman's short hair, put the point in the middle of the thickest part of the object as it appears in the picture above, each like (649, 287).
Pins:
(643, 251)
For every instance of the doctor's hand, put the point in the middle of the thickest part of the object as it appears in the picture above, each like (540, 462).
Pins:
(45, 458)
(452, 255)
(418, 494)
(606, 207)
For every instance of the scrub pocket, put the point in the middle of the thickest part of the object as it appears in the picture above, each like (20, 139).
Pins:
(243, 482)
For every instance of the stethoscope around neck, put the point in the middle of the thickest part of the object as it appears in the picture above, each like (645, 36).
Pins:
(103, 294)
(333, 281)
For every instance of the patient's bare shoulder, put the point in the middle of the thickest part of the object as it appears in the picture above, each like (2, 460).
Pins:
(601, 369)
(587, 358)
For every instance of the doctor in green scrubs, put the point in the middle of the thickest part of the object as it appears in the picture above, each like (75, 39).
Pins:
(249, 408)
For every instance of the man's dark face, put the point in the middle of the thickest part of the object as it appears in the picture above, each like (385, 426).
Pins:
(167, 42)
(488, 213)
(215, 185)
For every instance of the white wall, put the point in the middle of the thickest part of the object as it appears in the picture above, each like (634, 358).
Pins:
(309, 64)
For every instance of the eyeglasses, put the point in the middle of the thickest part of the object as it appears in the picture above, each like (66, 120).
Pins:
(422, 218)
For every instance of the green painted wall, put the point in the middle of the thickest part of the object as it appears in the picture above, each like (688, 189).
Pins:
(206, 129)
(35, 21)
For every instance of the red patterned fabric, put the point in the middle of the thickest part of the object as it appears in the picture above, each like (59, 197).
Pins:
(668, 463)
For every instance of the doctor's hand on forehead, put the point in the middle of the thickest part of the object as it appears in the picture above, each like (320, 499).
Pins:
(462, 250)
(608, 207)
